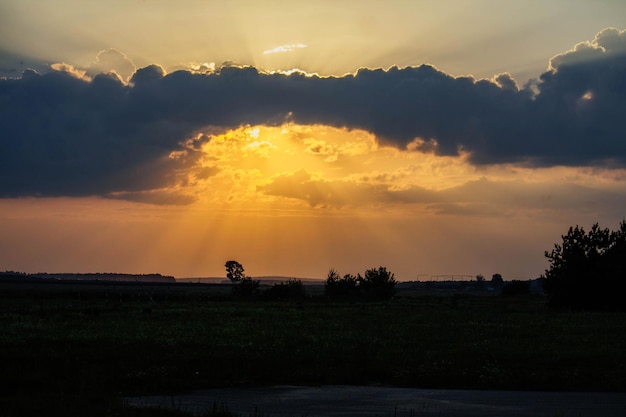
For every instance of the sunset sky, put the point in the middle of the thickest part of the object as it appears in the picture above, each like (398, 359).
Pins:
(431, 137)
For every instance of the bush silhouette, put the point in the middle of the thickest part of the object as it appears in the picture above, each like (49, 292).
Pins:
(378, 284)
(246, 287)
(338, 287)
(293, 289)
(497, 281)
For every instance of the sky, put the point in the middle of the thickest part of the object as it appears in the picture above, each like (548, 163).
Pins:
(435, 138)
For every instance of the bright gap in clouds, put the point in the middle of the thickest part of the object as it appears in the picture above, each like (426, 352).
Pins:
(297, 200)
(284, 48)
(320, 169)
(317, 167)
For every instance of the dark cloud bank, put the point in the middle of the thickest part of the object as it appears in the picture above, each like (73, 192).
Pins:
(63, 135)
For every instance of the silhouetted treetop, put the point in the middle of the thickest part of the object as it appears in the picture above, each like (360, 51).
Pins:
(378, 283)
(234, 271)
(588, 269)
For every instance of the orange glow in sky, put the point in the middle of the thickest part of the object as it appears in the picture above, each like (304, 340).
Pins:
(298, 200)
(295, 137)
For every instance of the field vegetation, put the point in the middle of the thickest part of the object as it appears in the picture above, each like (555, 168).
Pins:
(76, 349)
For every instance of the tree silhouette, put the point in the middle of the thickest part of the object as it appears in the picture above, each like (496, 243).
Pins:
(588, 270)
(345, 287)
(480, 282)
(378, 283)
(244, 286)
(234, 271)
(496, 280)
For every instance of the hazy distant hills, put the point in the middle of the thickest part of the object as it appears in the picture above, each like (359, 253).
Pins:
(158, 278)
(266, 280)
(109, 277)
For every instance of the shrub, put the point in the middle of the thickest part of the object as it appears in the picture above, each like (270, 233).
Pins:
(293, 289)
(246, 287)
(378, 283)
(346, 287)
(497, 281)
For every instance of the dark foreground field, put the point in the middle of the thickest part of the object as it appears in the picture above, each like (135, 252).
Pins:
(75, 349)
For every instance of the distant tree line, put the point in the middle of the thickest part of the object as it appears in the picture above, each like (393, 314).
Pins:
(246, 287)
(96, 276)
(588, 269)
(376, 284)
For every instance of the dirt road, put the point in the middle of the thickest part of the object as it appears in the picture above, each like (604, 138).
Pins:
(348, 401)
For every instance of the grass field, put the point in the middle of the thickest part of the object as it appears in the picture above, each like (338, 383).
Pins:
(76, 349)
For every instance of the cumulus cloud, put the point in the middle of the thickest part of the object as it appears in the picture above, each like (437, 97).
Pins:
(608, 42)
(66, 134)
(506, 82)
(71, 70)
(151, 73)
(112, 60)
(196, 67)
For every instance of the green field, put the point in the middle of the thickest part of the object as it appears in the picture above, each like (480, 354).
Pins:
(76, 349)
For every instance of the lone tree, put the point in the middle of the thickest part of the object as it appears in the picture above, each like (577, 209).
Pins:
(497, 280)
(588, 270)
(244, 286)
(234, 271)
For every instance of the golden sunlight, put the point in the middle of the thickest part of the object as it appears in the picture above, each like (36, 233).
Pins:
(315, 166)
(306, 198)
(313, 169)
